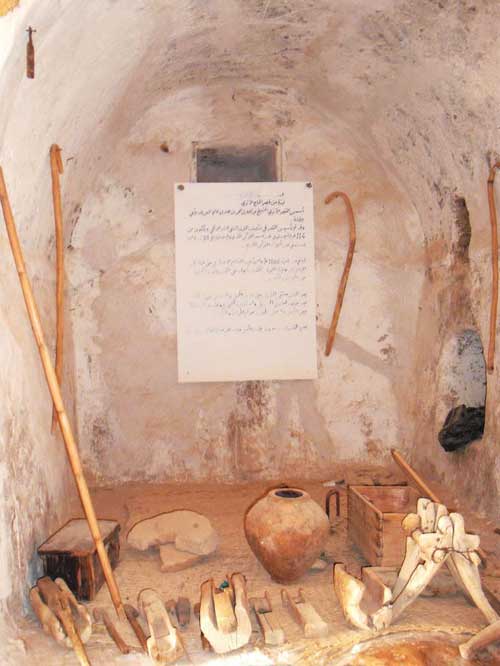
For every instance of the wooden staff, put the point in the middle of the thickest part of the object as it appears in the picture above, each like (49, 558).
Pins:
(55, 391)
(347, 268)
(56, 168)
(424, 488)
(494, 268)
(419, 482)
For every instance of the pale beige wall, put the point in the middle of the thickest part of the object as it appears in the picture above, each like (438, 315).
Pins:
(135, 420)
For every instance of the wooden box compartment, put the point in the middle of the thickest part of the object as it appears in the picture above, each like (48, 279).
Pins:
(375, 514)
(71, 554)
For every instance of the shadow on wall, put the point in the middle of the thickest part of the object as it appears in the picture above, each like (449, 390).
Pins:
(462, 390)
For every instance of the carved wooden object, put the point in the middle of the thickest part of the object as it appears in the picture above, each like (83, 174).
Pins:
(435, 538)
(216, 628)
(132, 617)
(375, 514)
(304, 613)
(70, 553)
(271, 629)
(164, 645)
(74, 619)
(424, 488)
(100, 615)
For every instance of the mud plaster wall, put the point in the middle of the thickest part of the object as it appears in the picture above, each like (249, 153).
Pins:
(392, 101)
(122, 273)
(34, 475)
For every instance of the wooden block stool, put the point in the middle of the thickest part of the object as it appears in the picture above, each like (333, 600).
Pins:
(71, 554)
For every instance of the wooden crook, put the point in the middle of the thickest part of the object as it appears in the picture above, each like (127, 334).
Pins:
(494, 268)
(347, 268)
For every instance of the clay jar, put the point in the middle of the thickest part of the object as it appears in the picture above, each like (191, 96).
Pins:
(286, 531)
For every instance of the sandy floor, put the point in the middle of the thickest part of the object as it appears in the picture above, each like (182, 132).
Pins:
(225, 507)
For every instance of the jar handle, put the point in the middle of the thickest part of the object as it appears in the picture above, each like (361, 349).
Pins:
(328, 499)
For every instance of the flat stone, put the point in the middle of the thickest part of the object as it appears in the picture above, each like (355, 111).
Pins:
(177, 560)
(187, 530)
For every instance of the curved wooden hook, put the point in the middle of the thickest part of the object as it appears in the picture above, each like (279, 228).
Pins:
(490, 364)
(347, 267)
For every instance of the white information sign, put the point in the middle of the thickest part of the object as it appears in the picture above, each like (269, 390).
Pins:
(246, 305)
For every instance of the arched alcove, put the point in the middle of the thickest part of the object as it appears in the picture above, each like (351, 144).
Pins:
(462, 390)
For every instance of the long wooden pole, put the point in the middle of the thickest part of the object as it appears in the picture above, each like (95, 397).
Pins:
(347, 268)
(423, 487)
(56, 168)
(55, 391)
(419, 482)
(490, 362)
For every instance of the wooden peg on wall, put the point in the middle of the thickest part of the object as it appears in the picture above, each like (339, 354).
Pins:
(30, 54)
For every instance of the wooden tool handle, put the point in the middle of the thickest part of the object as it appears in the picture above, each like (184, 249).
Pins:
(112, 631)
(132, 614)
(419, 482)
(68, 624)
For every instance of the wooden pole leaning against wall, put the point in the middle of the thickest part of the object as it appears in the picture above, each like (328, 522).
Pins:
(55, 391)
(490, 361)
(56, 168)
(347, 268)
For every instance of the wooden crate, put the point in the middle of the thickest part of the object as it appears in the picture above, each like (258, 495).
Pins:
(71, 554)
(375, 514)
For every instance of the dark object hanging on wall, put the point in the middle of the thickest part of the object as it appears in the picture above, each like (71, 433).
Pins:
(30, 54)
(463, 425)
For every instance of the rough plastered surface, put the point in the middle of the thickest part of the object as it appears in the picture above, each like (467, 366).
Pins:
(7, 6)
(34, 476)
(450, 620)
(393, 101)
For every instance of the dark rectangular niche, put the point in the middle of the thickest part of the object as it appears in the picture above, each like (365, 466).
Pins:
(230, 164)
